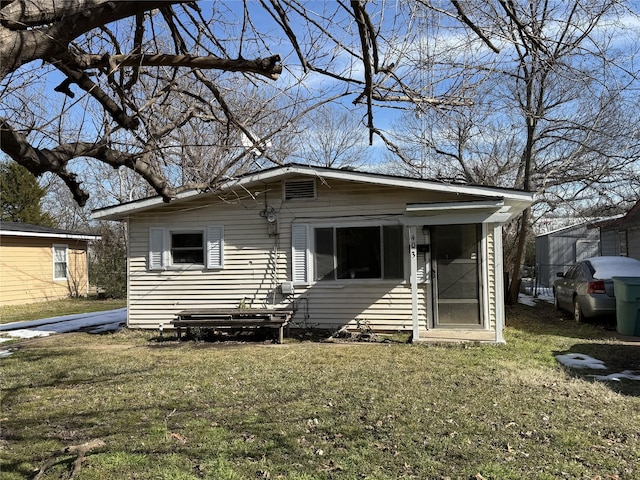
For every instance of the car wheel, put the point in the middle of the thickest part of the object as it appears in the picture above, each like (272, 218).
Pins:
(578, 316)
(555, 300)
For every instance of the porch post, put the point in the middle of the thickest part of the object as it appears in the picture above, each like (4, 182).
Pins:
(413, 255)
(499, 279)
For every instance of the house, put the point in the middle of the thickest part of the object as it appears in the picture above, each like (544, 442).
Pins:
(621, 235)
(558, 249)
(341, 248)
(38, 263)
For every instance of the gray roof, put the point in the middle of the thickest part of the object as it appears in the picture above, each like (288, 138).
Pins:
(28, 230)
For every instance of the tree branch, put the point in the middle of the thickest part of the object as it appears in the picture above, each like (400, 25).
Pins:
(66, 64)
(78, 450)
(417, 99)
(21, 41)
(469, 23)
(137, 48)
(23, 14)
(392, 146)
(283, 21)
(367, 41)
(39, 161)
(269, 67)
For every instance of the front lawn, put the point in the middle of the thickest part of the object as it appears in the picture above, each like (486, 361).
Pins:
(304, 410)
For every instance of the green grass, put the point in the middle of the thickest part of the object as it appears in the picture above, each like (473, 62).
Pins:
(306, 410)
(55, 308)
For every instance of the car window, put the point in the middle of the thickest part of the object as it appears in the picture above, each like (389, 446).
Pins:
(571, 272)
(578, 273)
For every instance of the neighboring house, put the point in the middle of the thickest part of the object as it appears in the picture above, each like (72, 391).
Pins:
(621, 236)
(559, 249)
(341, 248)
(39, 263)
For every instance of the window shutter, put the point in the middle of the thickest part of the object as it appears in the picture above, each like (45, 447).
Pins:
(300, 253)
(215, 246)
(156, 249)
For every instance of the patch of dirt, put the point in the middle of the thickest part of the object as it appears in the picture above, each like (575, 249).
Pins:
(346, 335)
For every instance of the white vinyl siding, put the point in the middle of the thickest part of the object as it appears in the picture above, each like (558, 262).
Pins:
(60, 262)
(255, 264)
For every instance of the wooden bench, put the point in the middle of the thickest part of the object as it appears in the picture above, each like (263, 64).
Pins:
(232, 318)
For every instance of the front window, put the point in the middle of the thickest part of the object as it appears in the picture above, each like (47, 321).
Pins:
(369, 252)
(187, 248)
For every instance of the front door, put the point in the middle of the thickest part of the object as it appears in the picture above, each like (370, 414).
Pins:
(456, 273)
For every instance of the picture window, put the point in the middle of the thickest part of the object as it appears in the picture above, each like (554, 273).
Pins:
(362, 252)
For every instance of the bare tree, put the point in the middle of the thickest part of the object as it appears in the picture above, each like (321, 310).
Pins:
(571, 140)
(129, 81)
(332, 136)
(63, 36)
(142, 85)
(554, 109)
(459, 146)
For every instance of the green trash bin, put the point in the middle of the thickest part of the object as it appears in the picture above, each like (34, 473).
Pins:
(627, 291)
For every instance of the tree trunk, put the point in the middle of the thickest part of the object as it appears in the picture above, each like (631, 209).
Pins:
(514, 286)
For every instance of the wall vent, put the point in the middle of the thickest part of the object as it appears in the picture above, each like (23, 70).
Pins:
(300, 189)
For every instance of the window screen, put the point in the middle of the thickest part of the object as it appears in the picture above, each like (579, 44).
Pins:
(325, 269)
(187, 248)
(362, 252)
(60, 262)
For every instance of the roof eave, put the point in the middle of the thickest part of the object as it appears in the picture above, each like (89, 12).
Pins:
(65, 236)
(518, 199)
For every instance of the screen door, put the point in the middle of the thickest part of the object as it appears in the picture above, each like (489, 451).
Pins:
(457, 275)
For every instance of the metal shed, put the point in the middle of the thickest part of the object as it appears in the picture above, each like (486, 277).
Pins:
(558, 249)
